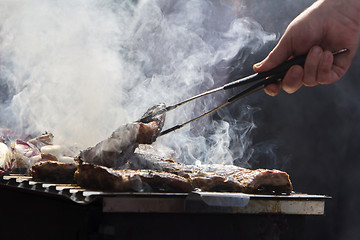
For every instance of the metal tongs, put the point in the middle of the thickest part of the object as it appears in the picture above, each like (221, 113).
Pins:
(262, 80)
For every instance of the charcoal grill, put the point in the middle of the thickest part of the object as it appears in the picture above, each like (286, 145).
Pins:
(83, 214)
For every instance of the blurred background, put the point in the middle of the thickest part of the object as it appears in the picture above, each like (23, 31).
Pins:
(312, 134)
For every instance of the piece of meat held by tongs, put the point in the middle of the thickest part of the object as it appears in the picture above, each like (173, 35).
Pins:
(260, 80)
(115, 150)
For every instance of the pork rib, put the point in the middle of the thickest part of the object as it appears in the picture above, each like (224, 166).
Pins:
(53, 171)
(174, 177)
(216, 177)
(254, 181)
(106, 179)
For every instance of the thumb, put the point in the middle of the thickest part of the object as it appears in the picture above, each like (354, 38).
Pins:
(278, 55)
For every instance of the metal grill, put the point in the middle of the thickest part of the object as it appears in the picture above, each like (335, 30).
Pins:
(193, 202)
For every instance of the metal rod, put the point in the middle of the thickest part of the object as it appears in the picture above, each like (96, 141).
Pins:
(194, 97)
(194, 119)
(269, 77)
(243, 94)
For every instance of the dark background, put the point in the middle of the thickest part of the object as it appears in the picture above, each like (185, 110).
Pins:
(313, 134)
(315, 138)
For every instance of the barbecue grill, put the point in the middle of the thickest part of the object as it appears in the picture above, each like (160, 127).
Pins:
(66, 211)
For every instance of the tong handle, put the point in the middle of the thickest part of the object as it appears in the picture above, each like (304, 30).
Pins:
(280, 70)
(257, 86)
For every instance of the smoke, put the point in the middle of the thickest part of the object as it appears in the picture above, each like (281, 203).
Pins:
(79, 69)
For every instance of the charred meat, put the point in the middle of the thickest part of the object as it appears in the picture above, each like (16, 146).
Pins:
(53, 171)
(254, 181)
(103, 178)
(113, 151)
(219, 177)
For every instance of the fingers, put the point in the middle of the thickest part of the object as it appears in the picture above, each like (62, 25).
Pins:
(273, 89)
(290, 83)
(325, 74)
(318, 67)
(281, 53)
(317, 70)
(311, 66)
(293, 79)
(278, 55)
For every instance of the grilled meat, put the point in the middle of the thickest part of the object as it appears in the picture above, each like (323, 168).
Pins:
(103, 178)
(254, 181)
(164, 181)
(218, 177)
(114, 151)
(53, 171)
(215, 183)
(169, 176)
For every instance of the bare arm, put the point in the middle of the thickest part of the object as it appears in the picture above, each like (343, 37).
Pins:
(326, 26)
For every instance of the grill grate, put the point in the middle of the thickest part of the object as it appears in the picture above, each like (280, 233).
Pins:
(197, 202)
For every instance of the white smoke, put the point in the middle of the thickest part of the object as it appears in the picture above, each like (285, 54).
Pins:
(81, 68)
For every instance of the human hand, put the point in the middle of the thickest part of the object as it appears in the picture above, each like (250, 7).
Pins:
(326, 26)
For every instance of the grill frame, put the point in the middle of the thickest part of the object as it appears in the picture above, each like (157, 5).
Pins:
(193, 202)
(58, 211)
